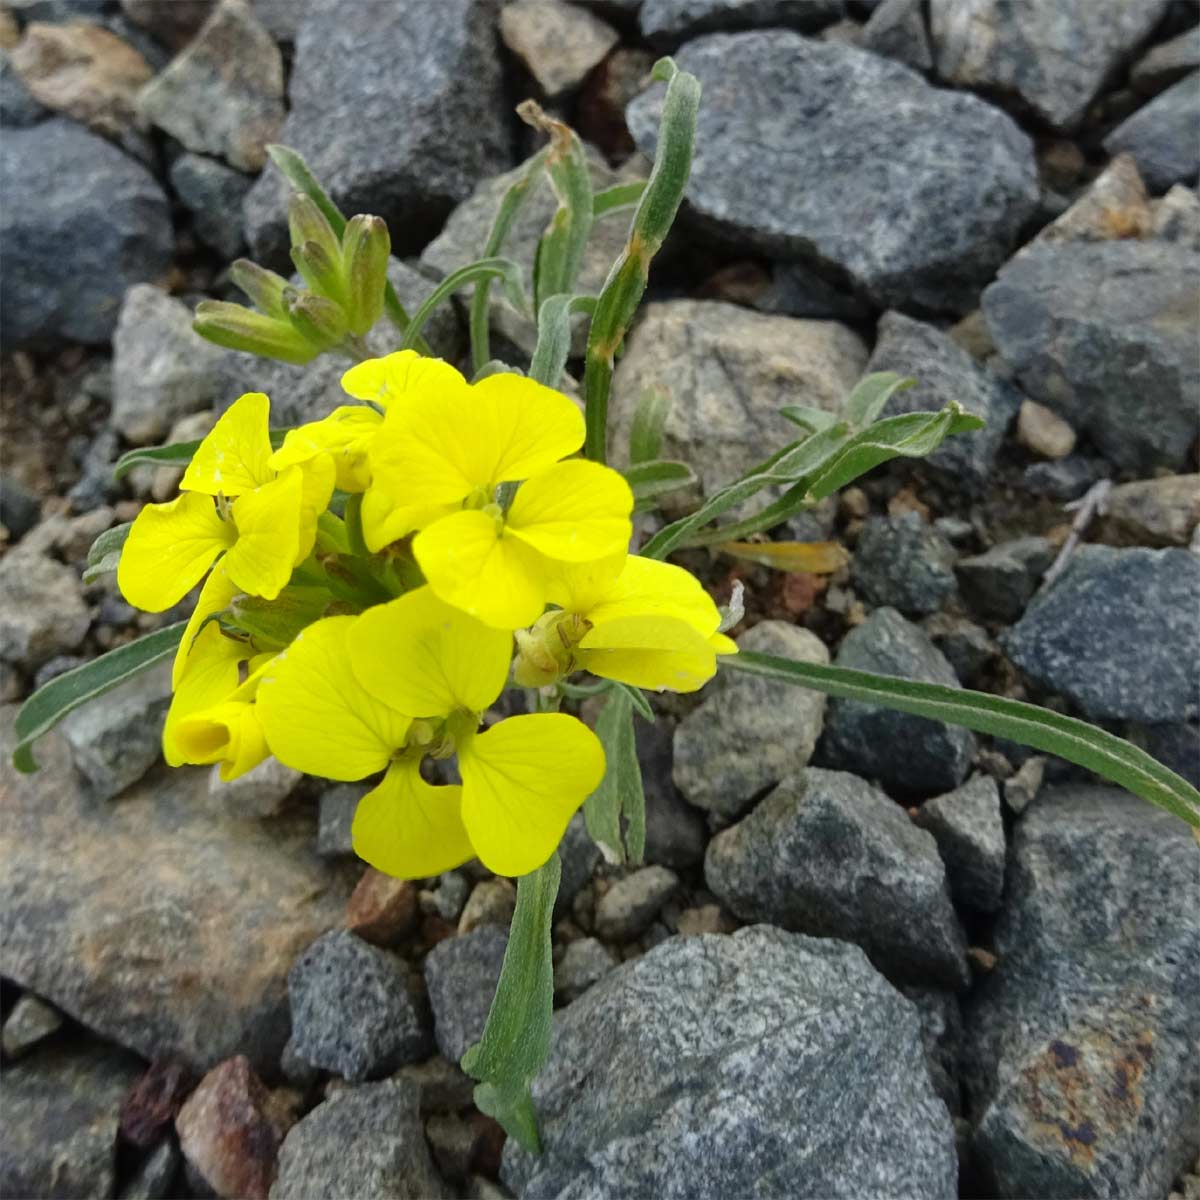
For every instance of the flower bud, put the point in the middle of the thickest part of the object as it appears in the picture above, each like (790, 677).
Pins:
(320, 270)
(546, 651)
(307, 223)
(266, 290)
(319, 321)
(366, 247)
(240, 328)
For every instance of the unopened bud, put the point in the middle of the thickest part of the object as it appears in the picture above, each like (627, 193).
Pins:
(320, 321)
(366, 247)
(265, 290)
(320, 270)
(307, 223)
(546, 651)
(240, 328)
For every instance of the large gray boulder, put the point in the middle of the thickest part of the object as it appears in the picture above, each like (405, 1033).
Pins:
(668, 22)
(1162, 136)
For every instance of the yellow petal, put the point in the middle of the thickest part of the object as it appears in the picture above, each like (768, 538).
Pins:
(317, 717)
(227, 733)
(268, 536)
(210, 676)
(215, 595)
(580, 587)
(522, 427)
(232, 459)
(474, 566)
(316, 488)
(722, 644)
(169, 548)
(646, 586)
(522, 781)
(421, 656)
(657, 652)
(345, 435)
(408, 828)
(576, 511)
(384, 521)
(402, 375)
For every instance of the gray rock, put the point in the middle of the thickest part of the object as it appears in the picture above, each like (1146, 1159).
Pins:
(461, 974)
(59, 1135)
(558, 42)
(583, 963)
(115, 740)
(1175, 745)
(749, 733)
(19, 508)
(796, 290)
(335, 818)
(827, 854)
(931, 218)
(1114, 205)
(670, 22)
(261, 792)
(628, 908)
(941, 1031)
(579, 856)
(1116, 634)
(896, 29)
(18, 108)
(162, 371)
(410, 58)
(903, 561)
(351, 1009)
(1101, 333)
(1177, 217)
(1080, 1060)
(42, 613)
(969, 831)
(172, 24)
(30, 1023)
(1053, 59)
(944, 371)
(224, 94)
(729, 371)
(910, 755)
(155, 1178)
(1163, 64)
(999, 583)
(763, 1064)
(1161, 135)
(966, 646)
(214, 194)
(362, 1141)
(81, 223)
(1066, 479)
(675, 832)
(448, 898)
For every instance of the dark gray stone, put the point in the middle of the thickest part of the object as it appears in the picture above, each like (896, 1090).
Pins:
(910, 755)
(969, 831)
(18, 109)
(361, 1141)
(1101, 332)
(461, 974)
(931, 218)
(1162, 65)
(1066, 479)
(1080, 1062)
(19, 508)
(944, 371)
(1176, 745)
(764, 1064)
(59, 1134)
(81, 222)
(579, 856)
(214, 194)
(796, 290)
(999, 583)
(827, 854)
(583, 963)
(966, 646)
(155, 1177)
(667, 23)
(941, 1031)
(1116, 634)
(896, 29)
(1162, 136)
(1052, 58)
(29, 1024)
(629, 907)
(42, 613)
(675, 833)
(352, 1012)
(335, 818)
(903, 561)
(407, 132)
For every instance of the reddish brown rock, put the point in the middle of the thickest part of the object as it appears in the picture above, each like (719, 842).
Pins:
(382, 909)
(155, 1100)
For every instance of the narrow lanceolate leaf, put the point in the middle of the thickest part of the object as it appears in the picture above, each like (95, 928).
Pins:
(617, 197)
(619, 796)
(516, 1038)
(49, 704)
(811, 420)
(649, 480)
(177, 454)
(554, 336)
(649, 420)
(105, 554)
(871, 394)
(1096, 750)
(798, 558)
(503, 269)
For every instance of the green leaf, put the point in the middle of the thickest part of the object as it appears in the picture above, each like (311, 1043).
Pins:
(649, 420)
(49, 704)
(637, 698)
(177, 454)
(649, 480)
(503, 269)
(811, 420)
(871, 393)
(554, 336)
(1095, 749)
(516, 1039)
(105, 554)
(274, 624)
(620, 792)
(617, 197)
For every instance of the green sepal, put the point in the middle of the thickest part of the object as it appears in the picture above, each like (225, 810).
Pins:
(104, 556)
(274, 624)
(366, 248)
(238, 328)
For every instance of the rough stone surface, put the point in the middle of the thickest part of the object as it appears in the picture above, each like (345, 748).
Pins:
(224, 94)
(763, 1064)
(910, 755)
(117, 948)
(162, 370)
(966, 646)
(896, 29)
(969, 831)
(1162, 136)
(750, 733)
(941, 1031)
(461, 974)
(150, 1107)
(381, 910)
(335, 818)
(491, 902)
(18, 109)
(1152, 512)
(558, 42)
(261, 792)
(669, 22)
(155, 1177)
(1168, 61)
(825, 853)
(903, 561)
(362, 1141)
(59, 1134)
(675, 832)
(1116, 634)
(352, 1012)
(1175, 745)
(30, 1023)
(579, 856)
(583, 963)
(172, 22)
(1102, 333)
(214, 194)
(999, 583)
(1177, 218)
(627, 909)
(42, 612)
(409, 58)
(1115, 205)
(71, 251)
(1053, 58)
(932, 216)
(944, 371)
(729, 371)
(1081, 1066)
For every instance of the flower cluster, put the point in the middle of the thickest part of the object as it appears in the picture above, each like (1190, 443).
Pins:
(375, 581)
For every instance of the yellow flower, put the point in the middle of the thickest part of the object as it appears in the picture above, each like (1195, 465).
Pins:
(233, 506)
(356, 695)
(639, 621)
